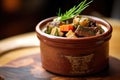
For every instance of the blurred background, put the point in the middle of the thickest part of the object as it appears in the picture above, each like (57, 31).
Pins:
(21, 16)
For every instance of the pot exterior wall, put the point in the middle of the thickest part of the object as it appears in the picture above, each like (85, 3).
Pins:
(74, 61)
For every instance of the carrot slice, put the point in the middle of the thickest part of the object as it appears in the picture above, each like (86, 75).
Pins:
(66, 28)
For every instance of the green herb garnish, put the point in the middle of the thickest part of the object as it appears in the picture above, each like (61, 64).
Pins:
(73, 11)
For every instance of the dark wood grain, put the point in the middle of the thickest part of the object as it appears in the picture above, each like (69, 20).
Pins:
(29, 68)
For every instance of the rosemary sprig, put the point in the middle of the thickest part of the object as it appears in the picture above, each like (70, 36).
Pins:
(73, 11)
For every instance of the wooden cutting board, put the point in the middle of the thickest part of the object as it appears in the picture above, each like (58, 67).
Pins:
(29, 67)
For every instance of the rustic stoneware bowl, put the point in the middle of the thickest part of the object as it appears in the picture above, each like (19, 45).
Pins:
(74, 57)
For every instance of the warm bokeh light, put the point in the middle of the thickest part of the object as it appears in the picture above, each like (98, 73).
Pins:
(11, 5)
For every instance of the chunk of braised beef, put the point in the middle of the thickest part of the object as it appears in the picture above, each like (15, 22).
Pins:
(55, 24)
(85, 31)
(51, 25)
(91, 23)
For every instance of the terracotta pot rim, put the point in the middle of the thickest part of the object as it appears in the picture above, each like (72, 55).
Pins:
(105, 35)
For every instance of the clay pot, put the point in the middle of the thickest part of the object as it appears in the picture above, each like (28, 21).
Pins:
(74, 57)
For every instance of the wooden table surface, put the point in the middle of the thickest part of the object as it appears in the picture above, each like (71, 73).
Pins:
(20, 55)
